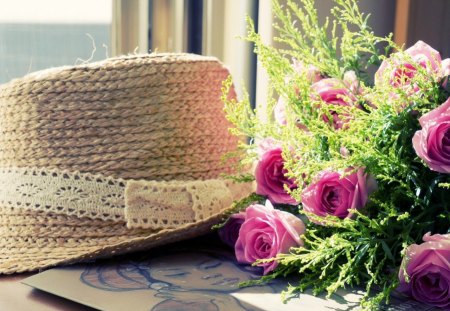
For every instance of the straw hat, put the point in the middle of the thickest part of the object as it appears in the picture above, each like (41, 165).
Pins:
(111, 157)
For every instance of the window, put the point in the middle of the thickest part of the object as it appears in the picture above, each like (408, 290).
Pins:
(424, 20)
(40, 34)
(208, 27)
(46, 33)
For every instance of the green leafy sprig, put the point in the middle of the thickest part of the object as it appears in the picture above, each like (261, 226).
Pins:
(411, 199)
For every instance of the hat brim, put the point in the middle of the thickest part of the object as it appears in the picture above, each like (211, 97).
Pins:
(28, 245)
(50, 217)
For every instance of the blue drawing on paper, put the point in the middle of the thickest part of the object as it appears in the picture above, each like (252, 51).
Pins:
(186, 280)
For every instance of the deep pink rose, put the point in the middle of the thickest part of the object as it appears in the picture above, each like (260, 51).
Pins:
(432, 142)
(399, 73)
(270, 178)
(230, 231)
(265, 233)
(334, 195)
(334, 93)
(428, 267)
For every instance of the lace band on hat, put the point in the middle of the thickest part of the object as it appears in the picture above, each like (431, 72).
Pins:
(139, 203)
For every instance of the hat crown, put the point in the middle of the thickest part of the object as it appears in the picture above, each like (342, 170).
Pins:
(155, 117)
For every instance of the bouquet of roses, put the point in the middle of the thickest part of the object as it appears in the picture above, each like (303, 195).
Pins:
(352, 168)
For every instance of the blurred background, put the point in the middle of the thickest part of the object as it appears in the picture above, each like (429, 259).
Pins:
(39, 34)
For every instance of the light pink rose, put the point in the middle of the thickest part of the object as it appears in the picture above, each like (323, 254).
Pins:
(445, 71)
(311, 71)
(265, 145)
(445, 67)
(230, 231)
(312, 74)
(351, 82)
(428, 267)
(334, 195)
(399, 73)
(265, 233)
(279, 111)
(432, 142)
(334, 93)
(425, 56)
(271, 179)
(344, 152)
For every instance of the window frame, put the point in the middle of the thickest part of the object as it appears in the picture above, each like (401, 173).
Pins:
(129, 27)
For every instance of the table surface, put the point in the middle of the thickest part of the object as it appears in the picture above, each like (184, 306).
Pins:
(17, 297)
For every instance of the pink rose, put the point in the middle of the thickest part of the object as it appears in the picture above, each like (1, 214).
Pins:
(334, 93)
(230, 231)
(265, 233)
(432, 142)
(428, 267)
(399, 73)
(334, 195)
(271, 179)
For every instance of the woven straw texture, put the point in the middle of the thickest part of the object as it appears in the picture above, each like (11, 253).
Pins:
(33, 240)
(156, 117)
(148, 117)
